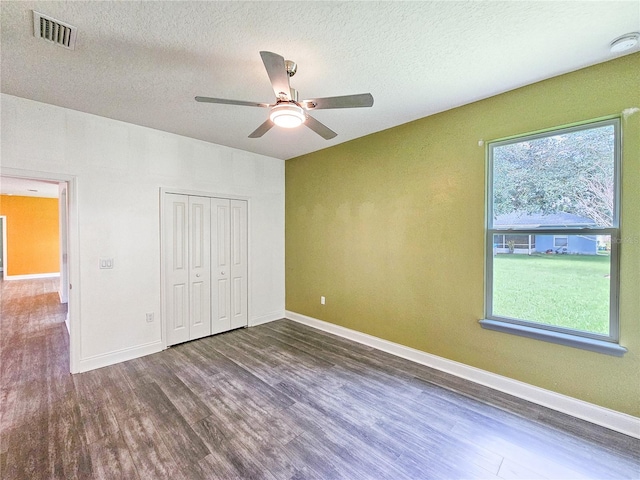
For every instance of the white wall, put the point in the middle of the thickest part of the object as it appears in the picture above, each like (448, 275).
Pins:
(119, 169)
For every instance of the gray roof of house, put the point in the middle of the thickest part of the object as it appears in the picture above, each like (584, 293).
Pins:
(543, 220)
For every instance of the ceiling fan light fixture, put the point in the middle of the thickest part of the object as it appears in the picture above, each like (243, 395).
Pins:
(287, 115)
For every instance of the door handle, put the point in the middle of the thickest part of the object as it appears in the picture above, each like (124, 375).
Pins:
(221, 273)
(197, 274)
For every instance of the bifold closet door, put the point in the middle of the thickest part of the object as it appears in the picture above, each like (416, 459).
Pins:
(229, 264)
(187, 240)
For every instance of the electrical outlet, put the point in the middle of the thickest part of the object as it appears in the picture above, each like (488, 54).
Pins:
(322, 301)
(149, 317)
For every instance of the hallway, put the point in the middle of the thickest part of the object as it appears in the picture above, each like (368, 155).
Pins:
(34, 366)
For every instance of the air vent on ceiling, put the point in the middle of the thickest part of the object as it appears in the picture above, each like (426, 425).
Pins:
(54, 31)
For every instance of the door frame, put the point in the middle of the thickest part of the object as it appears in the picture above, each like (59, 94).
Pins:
(3, 223)
(73, 258)
(63, 212)
(198, 193)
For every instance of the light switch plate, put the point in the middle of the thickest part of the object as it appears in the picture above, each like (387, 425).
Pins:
(106, 263)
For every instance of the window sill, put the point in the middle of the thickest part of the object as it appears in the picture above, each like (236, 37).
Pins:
(599, 346)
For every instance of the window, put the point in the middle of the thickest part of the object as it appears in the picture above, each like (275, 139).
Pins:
(560, 240)
(513, 242)
(553, 236)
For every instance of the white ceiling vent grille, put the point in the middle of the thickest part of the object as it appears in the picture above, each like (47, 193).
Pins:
(54, 31)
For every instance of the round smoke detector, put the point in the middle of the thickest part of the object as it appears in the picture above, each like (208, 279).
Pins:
(625, 42)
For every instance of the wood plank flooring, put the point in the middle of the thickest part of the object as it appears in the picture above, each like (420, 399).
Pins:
(278, 401)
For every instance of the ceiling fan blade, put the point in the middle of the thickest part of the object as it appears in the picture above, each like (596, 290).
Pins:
(231, 102)
(262, 129)
(278, 75)
(321, 129)
(346, 101)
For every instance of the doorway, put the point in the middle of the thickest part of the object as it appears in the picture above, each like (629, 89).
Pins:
(11, 180)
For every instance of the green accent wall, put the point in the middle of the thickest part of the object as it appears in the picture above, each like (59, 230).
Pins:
(390, 229)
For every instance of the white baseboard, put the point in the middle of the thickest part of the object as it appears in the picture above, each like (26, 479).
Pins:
(63, 298)
(620, 422)
(111, 358)
(32, 276)
(66, 322)
(269, 317)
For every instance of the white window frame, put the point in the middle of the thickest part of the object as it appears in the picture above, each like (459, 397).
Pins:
(564, 237)
(608, 344)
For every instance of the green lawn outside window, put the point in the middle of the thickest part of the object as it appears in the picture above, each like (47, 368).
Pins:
(570, 291)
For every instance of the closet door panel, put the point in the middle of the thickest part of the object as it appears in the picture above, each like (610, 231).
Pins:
(200, 266)
(176, 266)
(220, 265)
(239, 261)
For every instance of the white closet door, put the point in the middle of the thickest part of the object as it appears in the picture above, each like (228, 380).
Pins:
(238, 264)
(199, 267)
(205, 266)
(176, 267)
(220, 265)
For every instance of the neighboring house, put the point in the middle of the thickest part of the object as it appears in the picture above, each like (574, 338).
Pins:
(570, 244)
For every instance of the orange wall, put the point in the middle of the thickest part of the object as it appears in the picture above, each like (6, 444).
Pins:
(33, 244)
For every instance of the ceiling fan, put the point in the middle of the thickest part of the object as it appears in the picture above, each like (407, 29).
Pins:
(288, 112)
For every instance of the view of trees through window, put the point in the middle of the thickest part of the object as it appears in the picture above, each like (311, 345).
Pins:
(572, 172)
(552, 224)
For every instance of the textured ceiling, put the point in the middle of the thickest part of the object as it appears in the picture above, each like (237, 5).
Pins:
(143, 62)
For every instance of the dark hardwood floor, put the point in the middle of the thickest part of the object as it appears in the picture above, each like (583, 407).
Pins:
(278, 401)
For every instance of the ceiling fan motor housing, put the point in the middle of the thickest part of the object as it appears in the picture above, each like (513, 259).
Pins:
(291, 66)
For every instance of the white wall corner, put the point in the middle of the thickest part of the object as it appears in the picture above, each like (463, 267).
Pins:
(611, 419)
(269, 317)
